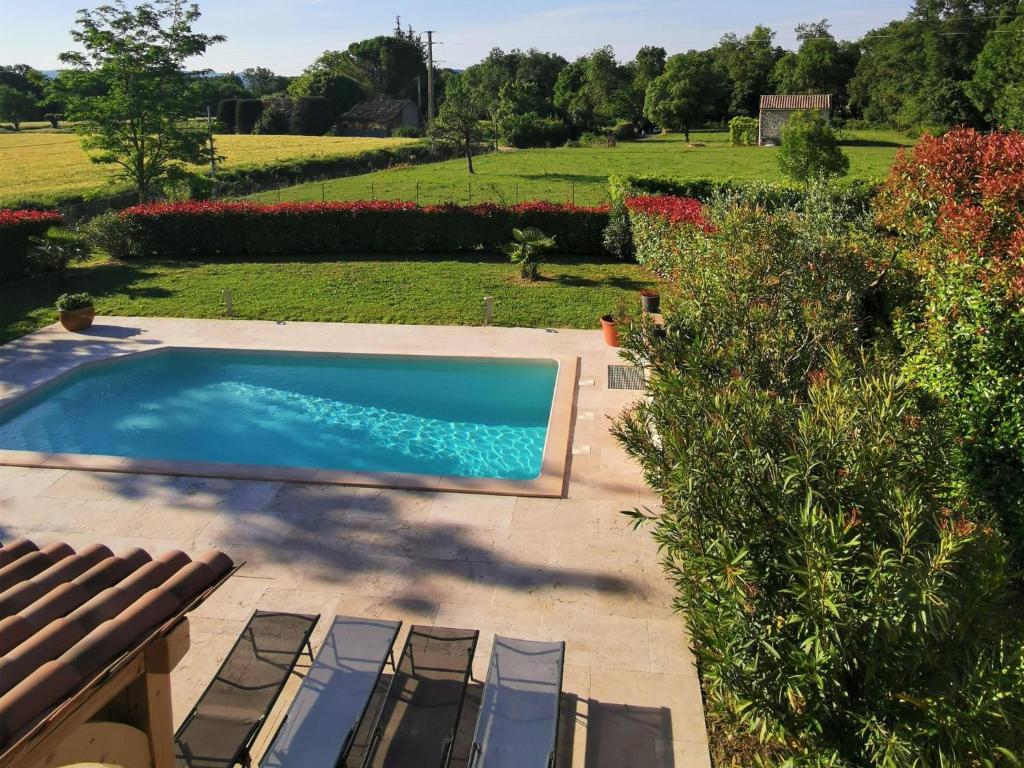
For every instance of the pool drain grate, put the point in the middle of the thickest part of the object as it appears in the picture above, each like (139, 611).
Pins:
(625, 377)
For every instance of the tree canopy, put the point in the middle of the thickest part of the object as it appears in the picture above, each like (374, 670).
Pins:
(690, 90)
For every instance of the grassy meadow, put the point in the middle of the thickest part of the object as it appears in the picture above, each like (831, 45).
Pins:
(40, 164)
(436, 290)
(581, 173)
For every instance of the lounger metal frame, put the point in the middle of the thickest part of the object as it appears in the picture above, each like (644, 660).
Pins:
(354, 728)
(242, 754)
(446, 749)
(475, 751)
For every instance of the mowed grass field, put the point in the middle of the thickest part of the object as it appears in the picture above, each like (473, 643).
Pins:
(48, 165)
(435, 290)
(581, 173)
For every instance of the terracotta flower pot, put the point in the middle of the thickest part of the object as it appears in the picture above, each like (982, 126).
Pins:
(611, 331)
(77, 319)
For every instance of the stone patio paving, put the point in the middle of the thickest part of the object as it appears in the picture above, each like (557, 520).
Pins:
(549, 569)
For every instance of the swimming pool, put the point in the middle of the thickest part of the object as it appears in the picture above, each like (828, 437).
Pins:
(420, 415)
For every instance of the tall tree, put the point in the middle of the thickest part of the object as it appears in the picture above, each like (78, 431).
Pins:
(388, 66)
(822, 64)
(457, 125)
(15, 105)
(330, 77)
(997, 88)
(594, 91)
(133, 60)
(689, 92)
(262, 81)
(749, 61)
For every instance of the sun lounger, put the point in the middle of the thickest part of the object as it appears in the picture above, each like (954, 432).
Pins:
(323, 719)
(518, 722)
(417, 723)
(220, 729)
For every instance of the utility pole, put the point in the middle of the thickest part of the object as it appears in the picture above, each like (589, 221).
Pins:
(430, 76)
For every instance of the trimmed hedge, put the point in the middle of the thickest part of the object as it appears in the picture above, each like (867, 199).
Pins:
(311, 116)
(226, 109)
(16, 227)
(247, 112)
(664, 228)
(212, 229)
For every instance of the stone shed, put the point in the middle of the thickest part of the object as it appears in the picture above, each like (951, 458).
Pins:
(379, 117)
(776, 109)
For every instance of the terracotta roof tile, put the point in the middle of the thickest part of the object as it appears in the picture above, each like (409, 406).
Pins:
(66, 616)
(797, 101)
(377, 110)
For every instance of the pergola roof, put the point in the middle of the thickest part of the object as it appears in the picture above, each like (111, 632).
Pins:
(66, 617)
(797, 101)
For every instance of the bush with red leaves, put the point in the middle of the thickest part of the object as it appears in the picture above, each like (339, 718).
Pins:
(16, 227)
(954, 208)
(664, 228)
(209, 228)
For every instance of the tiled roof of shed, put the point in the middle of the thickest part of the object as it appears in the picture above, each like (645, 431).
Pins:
(377, 110)
(797, 101)
(65, 616)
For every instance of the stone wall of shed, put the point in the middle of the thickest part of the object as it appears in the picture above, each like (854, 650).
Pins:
(772, 121)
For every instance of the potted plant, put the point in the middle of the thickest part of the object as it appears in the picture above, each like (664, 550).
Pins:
(76, 311)
(610, 324)
(650, 300)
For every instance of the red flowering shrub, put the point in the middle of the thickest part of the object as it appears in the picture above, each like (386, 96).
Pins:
(955, 209)
(210, 228)
(16, 227)
(664, 229)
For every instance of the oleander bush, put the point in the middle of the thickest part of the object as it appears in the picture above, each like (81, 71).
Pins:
(663, 228)
(954, 210)
(17, 228)
(208, 229)
(848, 605)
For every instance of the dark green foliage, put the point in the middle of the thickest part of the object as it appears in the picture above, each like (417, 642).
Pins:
(109, 234)
(273, 122)
(846, 607)
(531, 130)
(18, 229)
(56, 249)
(822, 64)
(691, 90)
(406, 132)
(749, 61)
(15, 105)
(457, 127)
(211, 231)
(311, 116)
(247, 112)
(69, 302)
(810, 148)
(330, 77)
(226, 110)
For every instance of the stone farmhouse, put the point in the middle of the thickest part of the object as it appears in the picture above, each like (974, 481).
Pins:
(776, 109)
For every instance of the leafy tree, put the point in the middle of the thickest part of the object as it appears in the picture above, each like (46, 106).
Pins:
(594, 91)
(220, 87)
(262, 81)
(133, 59)
(810, 148)
(33, 83)
(889, 73)
(457, 124)
(387, 66)
(648, 64)
(687, 93)
(822, 64)
(329, 77)
(997, 88)
(15, 105)
(749, 62)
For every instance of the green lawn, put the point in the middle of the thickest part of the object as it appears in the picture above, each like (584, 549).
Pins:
(582, 173)
(441, 290)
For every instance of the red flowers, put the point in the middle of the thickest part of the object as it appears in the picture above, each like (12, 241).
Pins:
(13, 218)
(676, 210)
(214, 208)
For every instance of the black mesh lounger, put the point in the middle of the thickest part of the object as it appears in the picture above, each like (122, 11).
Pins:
(518, 722)
(418, 719)
(220, 729)
(321, 724)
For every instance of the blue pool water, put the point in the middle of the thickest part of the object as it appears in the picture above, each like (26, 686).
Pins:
(430, 415)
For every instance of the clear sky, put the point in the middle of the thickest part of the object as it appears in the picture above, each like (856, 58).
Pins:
(286, 35)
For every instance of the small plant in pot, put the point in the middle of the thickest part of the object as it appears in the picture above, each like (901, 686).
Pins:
(610, 323)
(650, 300)
(76, 311)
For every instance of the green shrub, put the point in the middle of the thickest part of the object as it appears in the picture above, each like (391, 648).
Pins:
(311, 116)
(531, 130)
(247, 112)
(69, 302)
(810, 148)
(407, 132)
(56, 249)
(210, 230)
(845, 605)
(527, 248)
(744, 131)
(226, 110)
(109, 233)
(273, 122)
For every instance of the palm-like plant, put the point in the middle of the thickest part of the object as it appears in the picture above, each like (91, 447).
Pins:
(526, 249)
